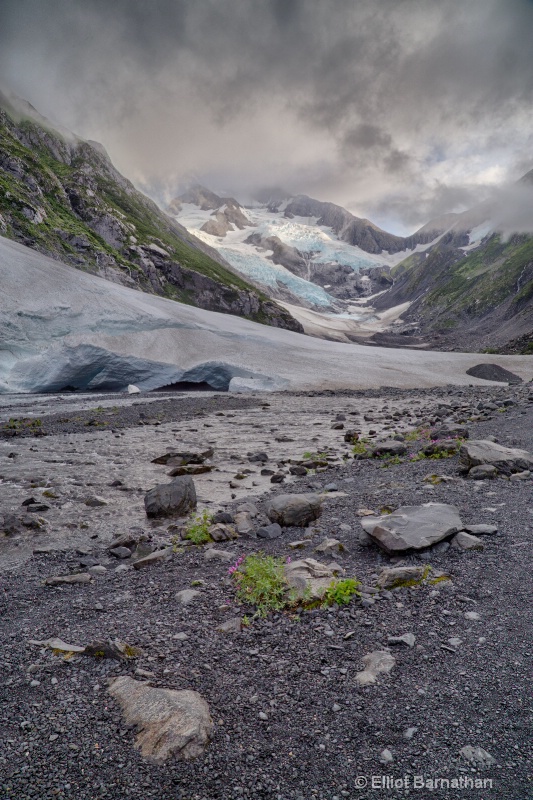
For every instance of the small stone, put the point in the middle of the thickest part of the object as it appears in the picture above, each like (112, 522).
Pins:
(386, 756)
(410, 732)
(465, 541)
(521, 476)
(35, 683)
(120, 552)
(335, 707)
(98, 569)
(375, 663)
(408, 639)
(482, 530)
(95, 502)
(186, 596)
(78, 577)
(217, 555)
(272, 531)
(482, 472)
(233, 625)
(153, 558)
(329, 547)
(472, 615)
(477, 756)
(262, 716)
(144, 673)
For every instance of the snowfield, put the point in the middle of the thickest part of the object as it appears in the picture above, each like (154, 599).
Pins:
(60, 327)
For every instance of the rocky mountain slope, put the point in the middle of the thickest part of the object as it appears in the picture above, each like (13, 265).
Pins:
(472, 290)
(467, 286)
(63, 196)
(300, 250)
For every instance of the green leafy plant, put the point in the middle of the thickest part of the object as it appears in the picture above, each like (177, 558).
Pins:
(261, 582)
(310, 456)
(197, 529)
(361, 447)
(341, 592)
(392, 461)
(416, 434)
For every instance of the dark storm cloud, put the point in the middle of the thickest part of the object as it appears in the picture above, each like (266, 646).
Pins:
(349, 98)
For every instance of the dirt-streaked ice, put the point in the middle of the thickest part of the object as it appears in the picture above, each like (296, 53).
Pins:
(60, 327)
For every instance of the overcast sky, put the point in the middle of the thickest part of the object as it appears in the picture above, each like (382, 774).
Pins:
(399, 110)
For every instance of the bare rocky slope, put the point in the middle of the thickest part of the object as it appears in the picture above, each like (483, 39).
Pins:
(62, 196)
(469, 296)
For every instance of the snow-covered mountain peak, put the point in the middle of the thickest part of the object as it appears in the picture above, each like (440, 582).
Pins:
(297, 249)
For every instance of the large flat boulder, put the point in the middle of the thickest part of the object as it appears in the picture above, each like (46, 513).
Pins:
(170, 722)
(413, 527)
(174, 499)
(294, 509)
(506, 460)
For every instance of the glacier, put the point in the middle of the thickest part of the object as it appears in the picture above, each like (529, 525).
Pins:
(63, 328)
(319, 245)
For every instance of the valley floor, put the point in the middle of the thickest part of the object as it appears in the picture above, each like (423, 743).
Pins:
(291, 722)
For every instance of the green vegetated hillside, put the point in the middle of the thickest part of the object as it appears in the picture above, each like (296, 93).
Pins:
(482, 299)
(63, 196)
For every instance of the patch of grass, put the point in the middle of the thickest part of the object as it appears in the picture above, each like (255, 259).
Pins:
(22, 423)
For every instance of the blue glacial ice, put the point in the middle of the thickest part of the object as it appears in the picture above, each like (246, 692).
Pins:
(260, 270)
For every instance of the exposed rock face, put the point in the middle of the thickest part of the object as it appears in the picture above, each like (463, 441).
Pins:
(217, 226)
(413, 527)
(352, 229)
(170, 722)
(294, 509)
(174, 499)
(505, 460)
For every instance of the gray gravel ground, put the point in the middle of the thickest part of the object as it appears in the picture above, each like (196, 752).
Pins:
(62, 735)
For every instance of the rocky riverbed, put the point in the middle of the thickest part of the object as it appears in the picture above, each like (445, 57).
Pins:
(291, 718)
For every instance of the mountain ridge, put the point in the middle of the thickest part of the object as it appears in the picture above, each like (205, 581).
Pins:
(62, 196)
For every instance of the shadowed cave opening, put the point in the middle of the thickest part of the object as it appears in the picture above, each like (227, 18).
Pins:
(190, 386)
